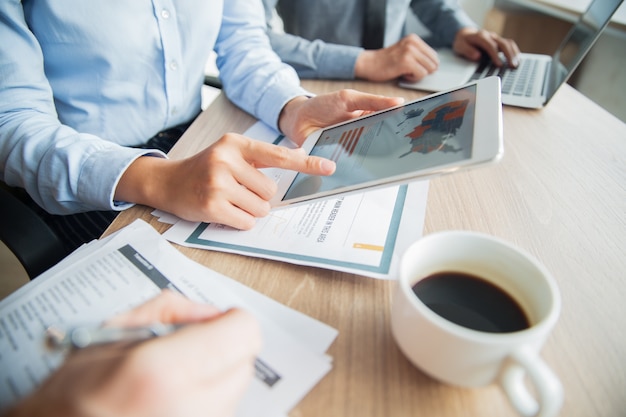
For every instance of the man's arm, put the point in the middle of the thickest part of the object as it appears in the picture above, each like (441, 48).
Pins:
(254, 77)
(310, 59)
(411, 58)
(63, 170)
(315, 59)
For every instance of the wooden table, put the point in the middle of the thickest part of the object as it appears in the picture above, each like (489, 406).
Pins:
(559, 192)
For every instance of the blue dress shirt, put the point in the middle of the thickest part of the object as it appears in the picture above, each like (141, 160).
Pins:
(82, 81)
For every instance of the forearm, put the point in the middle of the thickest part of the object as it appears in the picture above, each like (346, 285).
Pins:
(316, 59)
(63, 170)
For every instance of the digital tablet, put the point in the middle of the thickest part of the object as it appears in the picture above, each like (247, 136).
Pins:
(438, 134)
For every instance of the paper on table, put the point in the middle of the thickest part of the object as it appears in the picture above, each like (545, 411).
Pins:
(123, 270)
(360, 233)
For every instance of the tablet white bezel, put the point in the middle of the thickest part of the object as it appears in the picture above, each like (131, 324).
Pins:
(487, 146)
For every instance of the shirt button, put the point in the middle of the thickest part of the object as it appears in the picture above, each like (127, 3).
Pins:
(173, 65)
(165, 14)
(174, 110)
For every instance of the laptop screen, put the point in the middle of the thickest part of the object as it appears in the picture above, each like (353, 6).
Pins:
(579, 40)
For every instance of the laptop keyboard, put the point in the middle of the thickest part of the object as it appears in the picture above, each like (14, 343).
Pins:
(517, 81)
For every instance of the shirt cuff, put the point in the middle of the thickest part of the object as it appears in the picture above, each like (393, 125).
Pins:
(338, 61)
(102, 172)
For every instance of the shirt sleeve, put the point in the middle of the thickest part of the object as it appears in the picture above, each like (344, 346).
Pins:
(315, 59)
(254, 77)
(311, 59)
(444, 18)
(62, 170)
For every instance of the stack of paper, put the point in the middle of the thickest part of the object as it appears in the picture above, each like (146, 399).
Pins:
(362, 233)
(114, 274)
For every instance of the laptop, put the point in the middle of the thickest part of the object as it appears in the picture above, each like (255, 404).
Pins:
(537, 78)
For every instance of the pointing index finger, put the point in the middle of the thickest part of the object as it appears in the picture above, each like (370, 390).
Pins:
(263, 155)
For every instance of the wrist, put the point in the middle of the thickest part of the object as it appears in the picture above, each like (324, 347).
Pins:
(143, 181)
(289, 118)
(364, 63)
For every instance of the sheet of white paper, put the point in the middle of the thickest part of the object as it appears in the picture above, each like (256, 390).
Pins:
(165, 217)
(360, 233)
(122, 271)
(313, 334)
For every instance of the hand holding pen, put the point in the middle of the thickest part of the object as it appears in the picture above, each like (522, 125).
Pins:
(201, 369)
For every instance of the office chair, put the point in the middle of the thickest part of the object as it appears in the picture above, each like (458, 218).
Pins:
(30, 239)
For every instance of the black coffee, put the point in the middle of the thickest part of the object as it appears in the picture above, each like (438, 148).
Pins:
(471, 302)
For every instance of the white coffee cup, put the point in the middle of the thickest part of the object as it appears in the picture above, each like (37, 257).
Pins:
(461, 356)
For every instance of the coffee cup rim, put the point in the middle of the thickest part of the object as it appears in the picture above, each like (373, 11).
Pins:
(541, 326)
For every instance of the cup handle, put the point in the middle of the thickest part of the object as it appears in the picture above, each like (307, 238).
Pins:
(547, 386)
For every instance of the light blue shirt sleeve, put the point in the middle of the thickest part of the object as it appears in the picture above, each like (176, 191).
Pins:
(83, 82)
(316, 59)
(312, 54)
(62, 170)
(254, 77)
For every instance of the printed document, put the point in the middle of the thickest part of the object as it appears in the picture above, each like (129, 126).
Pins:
(127, 268)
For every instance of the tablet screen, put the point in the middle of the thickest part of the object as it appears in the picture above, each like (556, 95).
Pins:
(425, 134)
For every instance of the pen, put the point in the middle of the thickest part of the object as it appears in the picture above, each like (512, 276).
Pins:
(80, 337)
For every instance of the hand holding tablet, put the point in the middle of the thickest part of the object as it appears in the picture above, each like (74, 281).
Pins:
(435, 135)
